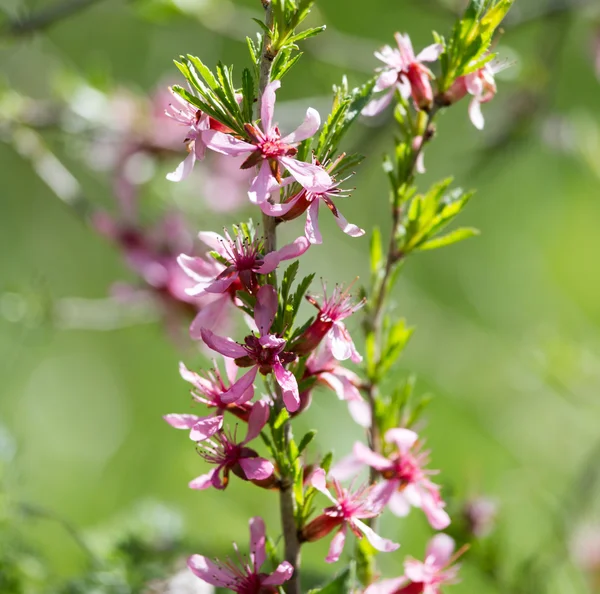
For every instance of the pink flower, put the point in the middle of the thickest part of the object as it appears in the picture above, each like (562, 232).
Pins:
(208, 390)
(270, 150)
(405, 72)
(246, 577)
(244, 261)
(309, 201)
(405, 482)
(197, 122)
(342, 381)
(346, 512)
(481, 85)
(424, 577)
(264, 353)
(231, 456)
(329, 322)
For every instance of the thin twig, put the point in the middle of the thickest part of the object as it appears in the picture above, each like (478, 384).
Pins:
(33, 23)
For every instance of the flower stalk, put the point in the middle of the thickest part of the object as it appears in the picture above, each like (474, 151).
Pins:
(286, 494)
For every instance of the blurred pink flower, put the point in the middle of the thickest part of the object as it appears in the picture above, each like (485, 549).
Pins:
(265, 353)
(405, 481)
(481, 85)
(246, 577)
(342, 381)
(269, 150)
(208, 390)
(229, 455)
(329, 322)
(346, 512)
(425, 577)
(405, 72)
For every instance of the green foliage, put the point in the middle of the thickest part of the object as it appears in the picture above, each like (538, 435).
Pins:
(287, 16)
(214, 94)
(347, 105)
(469, 45)
(428, 214)
(289, 302)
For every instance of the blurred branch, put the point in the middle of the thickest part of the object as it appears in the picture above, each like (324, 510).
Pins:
(43, 19)
(36, 511)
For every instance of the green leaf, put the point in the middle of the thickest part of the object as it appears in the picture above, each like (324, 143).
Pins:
(326, 461)
(305, 441)
(281, 418)
(306, 34)
(248, 91)
(283, 66)
(448, 239)
(203, 71)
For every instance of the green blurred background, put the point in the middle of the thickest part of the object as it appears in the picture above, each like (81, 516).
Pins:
(508, 324)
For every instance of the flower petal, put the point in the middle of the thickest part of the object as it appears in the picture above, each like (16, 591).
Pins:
(214, 241)
(475, 114)
(440, 548)
(294, 249)
(385, 80)
(210, 572)
(431, 53)
(348, 467)
(210, 316)
(257, 542)
(204, 481)
(206, 428)
(378, 542)
(181, 421)
(261, 185)
(226, 143)
(223, 345)
(437, 516)
(387, 586)
(309, 176)
(267, 105)
(319, 481)
(240, 391)
(259, 415)
(308, 128)
(183, 169)
(360, 411)
(282, 574)
(369, 457)
(405, 439)
(348, 228)
(377, 105)
(398, 504)
(220, 286)
(265, 308)
(311, 228)
(337, 545)
(289, 387)
(256, 469)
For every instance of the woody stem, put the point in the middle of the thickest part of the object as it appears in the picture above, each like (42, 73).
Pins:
(286, 493)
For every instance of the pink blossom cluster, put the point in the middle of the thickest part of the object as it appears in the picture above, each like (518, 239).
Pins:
(406, 73)
(236, 271)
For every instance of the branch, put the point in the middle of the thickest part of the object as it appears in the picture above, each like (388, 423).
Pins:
(44, 19)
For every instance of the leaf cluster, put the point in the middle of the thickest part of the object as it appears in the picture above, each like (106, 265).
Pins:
(215, 94)
(287, 17)
(468, 47)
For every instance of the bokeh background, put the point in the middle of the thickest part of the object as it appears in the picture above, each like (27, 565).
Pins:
(508, 324)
